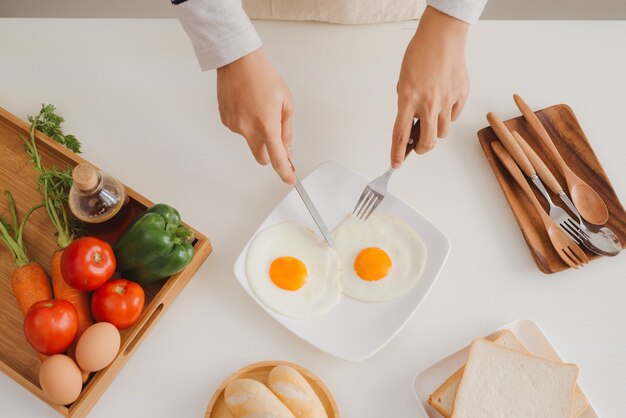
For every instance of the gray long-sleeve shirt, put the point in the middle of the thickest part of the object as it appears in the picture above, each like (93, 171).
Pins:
(221, 32)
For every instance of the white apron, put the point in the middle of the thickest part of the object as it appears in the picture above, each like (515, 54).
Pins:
(336, 11)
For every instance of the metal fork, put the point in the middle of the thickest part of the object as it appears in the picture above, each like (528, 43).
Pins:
(515, 159)
(375, 191)
(565, 247)
(602, 241)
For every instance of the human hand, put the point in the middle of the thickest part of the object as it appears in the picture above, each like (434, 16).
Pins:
(255, 102)
(433, 83)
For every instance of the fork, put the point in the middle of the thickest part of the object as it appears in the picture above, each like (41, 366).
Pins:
(601, 241)
(565, 246)
(375, 191)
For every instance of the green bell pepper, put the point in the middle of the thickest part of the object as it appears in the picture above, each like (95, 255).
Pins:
(154, 246)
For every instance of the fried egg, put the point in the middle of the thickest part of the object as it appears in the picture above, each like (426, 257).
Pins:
(381, 259)
(293, 272)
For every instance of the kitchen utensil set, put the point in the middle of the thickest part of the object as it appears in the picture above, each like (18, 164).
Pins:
(587, 201)
(565, 233)
(600, 240)
(565, 247)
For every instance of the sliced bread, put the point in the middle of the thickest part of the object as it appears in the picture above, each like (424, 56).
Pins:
(499, 382)
(442, 399)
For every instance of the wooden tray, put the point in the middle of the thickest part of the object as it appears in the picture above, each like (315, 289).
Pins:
(570, 140)
(260, 371)
(17, 358)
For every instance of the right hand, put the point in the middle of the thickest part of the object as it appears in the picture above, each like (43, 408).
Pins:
(255, 102)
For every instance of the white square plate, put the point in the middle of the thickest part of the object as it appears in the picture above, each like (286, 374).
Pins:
(353, 330)
(527, 331)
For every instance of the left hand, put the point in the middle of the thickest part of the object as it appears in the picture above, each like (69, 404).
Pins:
(433, 84)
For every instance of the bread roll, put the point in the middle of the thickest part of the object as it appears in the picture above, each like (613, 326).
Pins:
(295, 392)
(220, 410)
(247, 397)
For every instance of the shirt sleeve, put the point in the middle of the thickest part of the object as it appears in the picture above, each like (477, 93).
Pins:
(466, 10)
(220, 30)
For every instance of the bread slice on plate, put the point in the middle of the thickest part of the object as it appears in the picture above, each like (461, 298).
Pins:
(499, 382)
(442, 399)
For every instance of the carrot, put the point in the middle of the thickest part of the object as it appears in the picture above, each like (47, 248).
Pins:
(30, 285)
(79, 299)
(29, 281)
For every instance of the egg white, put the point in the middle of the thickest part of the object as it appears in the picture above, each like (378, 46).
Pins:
(321, 291)
(401, 243)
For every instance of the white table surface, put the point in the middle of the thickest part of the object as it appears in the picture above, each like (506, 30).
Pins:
(132, 92)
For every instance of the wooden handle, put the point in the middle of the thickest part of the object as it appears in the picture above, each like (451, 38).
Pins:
(510, 165)
(543, 171)
(539, 129)
(510, 143)
(413, 138)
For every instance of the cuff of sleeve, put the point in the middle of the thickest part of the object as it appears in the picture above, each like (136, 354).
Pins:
(230, 50)
(466, 10)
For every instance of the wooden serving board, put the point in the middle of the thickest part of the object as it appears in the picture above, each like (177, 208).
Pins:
(17, 358)
(259, 372)
(570, 140)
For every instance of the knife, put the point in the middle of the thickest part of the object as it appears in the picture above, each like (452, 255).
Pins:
(312, 209)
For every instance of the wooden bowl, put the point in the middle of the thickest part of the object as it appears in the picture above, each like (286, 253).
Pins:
(260, 371)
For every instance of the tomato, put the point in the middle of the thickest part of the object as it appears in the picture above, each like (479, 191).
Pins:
(87, 263)
(51, 325)
(118, 301)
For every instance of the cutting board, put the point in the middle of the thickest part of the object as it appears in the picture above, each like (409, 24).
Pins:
(575, 148)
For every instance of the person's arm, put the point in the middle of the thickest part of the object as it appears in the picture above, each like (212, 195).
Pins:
(220, 30)
(433, 83)
(253, 99)
(466, 10)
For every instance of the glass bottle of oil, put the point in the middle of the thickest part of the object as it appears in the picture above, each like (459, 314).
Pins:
(100, 202)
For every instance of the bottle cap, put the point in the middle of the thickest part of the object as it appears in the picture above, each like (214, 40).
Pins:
(85, 177)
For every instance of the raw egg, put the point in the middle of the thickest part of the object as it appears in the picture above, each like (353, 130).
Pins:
(97, 346)
(60, 379)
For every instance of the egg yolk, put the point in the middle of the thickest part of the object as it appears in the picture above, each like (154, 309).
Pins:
(288, 273)
(372, 264)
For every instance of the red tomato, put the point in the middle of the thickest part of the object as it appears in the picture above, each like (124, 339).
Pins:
(51, 325)
(87, 263)
(118, 301)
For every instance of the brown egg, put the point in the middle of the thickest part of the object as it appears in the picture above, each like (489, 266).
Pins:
(60, 379)
(97, 347)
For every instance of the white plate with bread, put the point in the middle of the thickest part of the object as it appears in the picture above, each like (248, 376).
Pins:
(353, 330)
(275, 388)
(514, 371)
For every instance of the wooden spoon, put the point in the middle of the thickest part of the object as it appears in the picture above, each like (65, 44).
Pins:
(587, 201)
(565, 247)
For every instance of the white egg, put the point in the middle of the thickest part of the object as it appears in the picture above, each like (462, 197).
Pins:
(388, 254)
(293, 272)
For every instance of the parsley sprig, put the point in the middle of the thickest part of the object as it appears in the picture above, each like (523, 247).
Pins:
(49, 123)
(53, 183)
